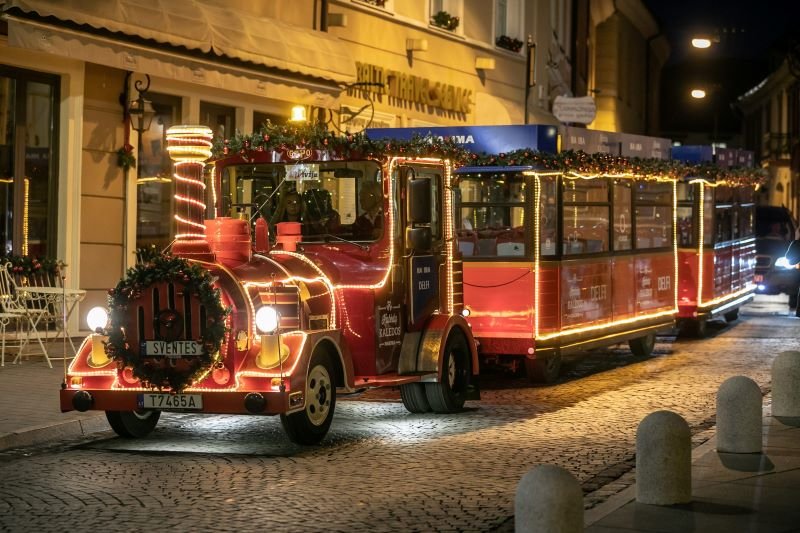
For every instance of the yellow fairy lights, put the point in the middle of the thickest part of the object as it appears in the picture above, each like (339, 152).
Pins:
(189, 147)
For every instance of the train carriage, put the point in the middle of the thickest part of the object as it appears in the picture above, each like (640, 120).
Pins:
(716, 241)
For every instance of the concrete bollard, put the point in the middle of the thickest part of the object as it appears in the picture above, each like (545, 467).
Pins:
(549, 499)
(739, 416)
(663, 459)
(786, 384)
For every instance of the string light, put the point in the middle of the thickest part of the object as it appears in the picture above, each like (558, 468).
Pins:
(189, 147)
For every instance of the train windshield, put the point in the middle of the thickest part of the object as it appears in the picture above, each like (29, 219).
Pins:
(328, 198)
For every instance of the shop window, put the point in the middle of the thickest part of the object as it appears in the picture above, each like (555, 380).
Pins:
(262, 118)
(509, 17)
(154, 184)
(221, 119)
(28, 162)
(447, 14)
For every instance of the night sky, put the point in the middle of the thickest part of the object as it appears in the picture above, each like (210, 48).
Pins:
(753, 38)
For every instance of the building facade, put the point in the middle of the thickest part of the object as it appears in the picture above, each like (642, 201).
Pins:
(771, 128)
(71, 68)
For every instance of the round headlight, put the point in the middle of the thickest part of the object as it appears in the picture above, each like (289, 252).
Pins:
(782, 262)
(267, 319)
(97, 318)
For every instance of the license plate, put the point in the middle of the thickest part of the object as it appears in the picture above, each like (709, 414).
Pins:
(171, 349)
(758, 278)
(170, 401)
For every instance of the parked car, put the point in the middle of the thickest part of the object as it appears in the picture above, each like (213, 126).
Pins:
(775, 229)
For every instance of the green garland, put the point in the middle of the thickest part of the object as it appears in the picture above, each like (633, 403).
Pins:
(165, 268)
(315, 136)
(27, 266)
(272, 137)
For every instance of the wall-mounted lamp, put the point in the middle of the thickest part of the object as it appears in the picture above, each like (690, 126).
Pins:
(416, 45)
(484, 63)
(140, 111)
(299, 114)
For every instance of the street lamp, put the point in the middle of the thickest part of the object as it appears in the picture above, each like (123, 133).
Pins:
(701, 42)
(698, 93)
(141, 110)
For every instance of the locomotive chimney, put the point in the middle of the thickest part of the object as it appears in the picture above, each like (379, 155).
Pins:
(189, 147)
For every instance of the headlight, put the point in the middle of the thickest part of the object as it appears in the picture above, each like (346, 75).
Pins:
(97, 318)
(782, 262)
(267, 319)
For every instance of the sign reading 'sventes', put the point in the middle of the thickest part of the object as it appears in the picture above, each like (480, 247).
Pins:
(415, 89)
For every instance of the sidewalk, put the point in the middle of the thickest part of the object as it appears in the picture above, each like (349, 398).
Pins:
(731, 492)
(29, 409)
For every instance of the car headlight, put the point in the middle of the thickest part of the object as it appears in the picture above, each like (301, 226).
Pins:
(782, 262)
(97, 318)
(267, 320)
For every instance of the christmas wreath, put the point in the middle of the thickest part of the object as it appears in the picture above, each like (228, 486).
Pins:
(194, 279)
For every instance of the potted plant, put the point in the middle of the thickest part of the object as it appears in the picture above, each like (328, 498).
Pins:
(509, 43)
(445, 20)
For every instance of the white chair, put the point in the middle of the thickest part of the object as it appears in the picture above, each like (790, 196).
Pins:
(28, 309)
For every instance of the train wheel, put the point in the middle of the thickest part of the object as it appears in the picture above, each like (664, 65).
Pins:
(414, 398)
(133, 424)
(731, 316)
(449, 394)
(543, 369)
(310, 425)
(643, 346)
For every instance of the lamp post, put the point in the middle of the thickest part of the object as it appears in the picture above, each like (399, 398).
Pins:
(141, 110)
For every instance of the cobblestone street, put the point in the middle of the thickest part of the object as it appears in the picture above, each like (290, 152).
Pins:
(381, 468)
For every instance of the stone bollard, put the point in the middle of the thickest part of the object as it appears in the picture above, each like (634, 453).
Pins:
(739, 416)
(786, 384)
(663, 460)
(548, 499)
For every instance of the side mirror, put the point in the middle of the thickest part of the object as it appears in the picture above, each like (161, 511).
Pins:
(419, 201)
(419, 239)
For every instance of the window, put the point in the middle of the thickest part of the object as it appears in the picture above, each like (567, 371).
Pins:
(28, 162)
(490, 215)
(508, 30)
(622, 215)
(585, 216)
(262, 118)
(447, 14)
(388, 5)
(221, 119)
(340, 201)
(653, 214)
(154, 184)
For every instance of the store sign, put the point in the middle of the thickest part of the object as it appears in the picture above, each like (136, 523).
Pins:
(580, 110)
(407, 87)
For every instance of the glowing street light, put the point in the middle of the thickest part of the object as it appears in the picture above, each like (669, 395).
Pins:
(698, 93)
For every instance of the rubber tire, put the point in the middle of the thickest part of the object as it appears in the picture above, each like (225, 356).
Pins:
(449, 395)
(643, 346)
(543, 370)
(732, 316)
(133, 424)
(320, 385)
(415, 400)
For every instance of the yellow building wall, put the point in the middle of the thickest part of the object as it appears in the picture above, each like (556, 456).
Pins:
(102, 182)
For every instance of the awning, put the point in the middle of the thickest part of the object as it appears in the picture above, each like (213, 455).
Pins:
(195, 26)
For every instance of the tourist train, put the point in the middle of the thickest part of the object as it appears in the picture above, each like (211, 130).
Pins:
(327, 265)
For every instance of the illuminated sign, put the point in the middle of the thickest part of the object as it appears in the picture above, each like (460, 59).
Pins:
(415, 89)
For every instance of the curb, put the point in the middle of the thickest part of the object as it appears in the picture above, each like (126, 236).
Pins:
(41, 434)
